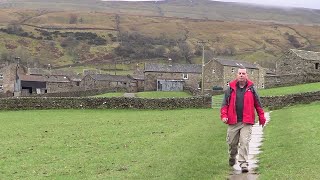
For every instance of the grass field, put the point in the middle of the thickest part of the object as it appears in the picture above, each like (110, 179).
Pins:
(290, 89)
(113, 144)
(292, 143)
(149, 144)
(301, 88)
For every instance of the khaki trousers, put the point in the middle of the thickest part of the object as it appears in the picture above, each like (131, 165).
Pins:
(238, 138)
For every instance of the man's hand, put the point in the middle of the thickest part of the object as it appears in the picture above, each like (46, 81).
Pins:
(224, 120)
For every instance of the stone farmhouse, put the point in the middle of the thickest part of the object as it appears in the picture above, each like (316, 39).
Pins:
(219, 72)
(295, 67)
(217, 75)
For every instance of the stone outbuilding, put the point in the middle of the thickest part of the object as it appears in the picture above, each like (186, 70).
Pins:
(297, 61)
(171, 77)
(295, 67)
(105, 81)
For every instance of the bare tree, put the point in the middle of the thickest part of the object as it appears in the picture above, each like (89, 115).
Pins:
(186, 51)
(73, 19)
(14, 28)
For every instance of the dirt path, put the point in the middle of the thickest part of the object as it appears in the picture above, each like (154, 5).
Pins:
(254, 150)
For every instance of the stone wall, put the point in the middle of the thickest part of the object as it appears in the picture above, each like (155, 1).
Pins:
(54, 87)
(91, 92)
(104, 103)
(291, 79)
(276, 102)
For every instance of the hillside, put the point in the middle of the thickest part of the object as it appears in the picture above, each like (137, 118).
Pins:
(118, 35)
(200, 9)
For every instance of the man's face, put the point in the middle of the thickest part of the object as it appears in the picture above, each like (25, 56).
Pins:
(242, 75)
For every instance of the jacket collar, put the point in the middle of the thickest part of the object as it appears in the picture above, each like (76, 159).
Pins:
(233, 84)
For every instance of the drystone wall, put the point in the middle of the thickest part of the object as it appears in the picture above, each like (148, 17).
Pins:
(103, 103)
(277, 102)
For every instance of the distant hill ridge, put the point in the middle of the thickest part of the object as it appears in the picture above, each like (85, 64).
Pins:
(78, 33)
(197, 9)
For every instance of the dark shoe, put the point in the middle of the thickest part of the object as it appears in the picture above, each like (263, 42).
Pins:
(232, 161)
(244, 169)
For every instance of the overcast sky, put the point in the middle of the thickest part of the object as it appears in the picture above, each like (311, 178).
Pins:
(314, 4)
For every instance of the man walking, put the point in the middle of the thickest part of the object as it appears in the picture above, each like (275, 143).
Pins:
(237, 110)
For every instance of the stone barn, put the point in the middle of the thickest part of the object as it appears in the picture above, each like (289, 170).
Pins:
(295, 67)
(171, 77)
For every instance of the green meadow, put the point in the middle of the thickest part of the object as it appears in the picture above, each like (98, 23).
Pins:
(152, 144)
(291, 144)
(278, 91)
(301, 88)
(113, 144)
(149, 144)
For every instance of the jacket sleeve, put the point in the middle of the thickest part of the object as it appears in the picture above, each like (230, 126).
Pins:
(259, 108)
(225, 104)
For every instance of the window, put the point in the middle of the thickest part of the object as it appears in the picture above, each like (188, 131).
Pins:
(232, 70)
(228, 83)
(1, 87)
(78, 83)
(185, 76)
(317, 65)
(213, 71)
(262, 85)
(1, 76)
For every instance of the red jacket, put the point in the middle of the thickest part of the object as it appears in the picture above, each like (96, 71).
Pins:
(251, 103)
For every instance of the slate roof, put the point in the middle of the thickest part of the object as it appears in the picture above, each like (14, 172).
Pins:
(32, 78)
(76, 78)
(45, 78)
(108, 77)
(138, 76)
(307, 55)
(57, 78)
(236, 63)
(37, 71)
(174, 68)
